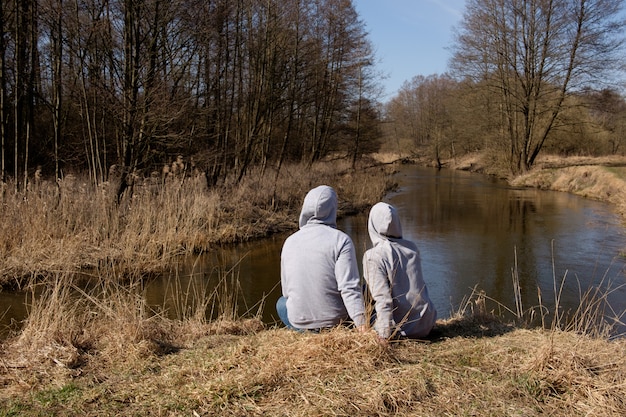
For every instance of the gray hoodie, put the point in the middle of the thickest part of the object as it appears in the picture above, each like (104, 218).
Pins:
(393, 272)
(319, 271)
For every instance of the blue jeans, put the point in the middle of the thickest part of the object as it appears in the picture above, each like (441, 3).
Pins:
(281, 309)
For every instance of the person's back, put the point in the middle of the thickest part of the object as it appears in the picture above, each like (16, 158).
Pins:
(393, 272)
(319, 273)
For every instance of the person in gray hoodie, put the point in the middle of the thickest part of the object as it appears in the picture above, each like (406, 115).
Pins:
(393, 274)
(319, 273)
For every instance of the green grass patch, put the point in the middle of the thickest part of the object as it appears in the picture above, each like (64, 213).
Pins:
(54, 397)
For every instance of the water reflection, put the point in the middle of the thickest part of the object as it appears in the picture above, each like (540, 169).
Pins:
(252, 270)
(471, 229)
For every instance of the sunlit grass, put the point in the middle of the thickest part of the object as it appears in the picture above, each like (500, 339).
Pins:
(101, 350)
(76, 226)
(95, 347)
(590, 180)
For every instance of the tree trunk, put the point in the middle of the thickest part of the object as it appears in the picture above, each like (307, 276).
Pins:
(3, 92)
(57, 45)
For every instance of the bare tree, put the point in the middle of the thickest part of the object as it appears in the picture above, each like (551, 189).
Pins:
(534, 54)
(366, 92)
(25, 80)
(3, 94)
(294, 33)
(135, 82)
(609, 110)
(52, 25)
(423, 111)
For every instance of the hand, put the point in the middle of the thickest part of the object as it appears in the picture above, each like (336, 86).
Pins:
(383, 341)
(362, 328)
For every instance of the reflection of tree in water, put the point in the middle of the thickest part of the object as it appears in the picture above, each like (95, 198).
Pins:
(471, 228)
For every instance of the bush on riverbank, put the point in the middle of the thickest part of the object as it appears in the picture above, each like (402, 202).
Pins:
(74, 226)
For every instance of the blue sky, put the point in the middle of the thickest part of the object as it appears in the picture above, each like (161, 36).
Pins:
(410, 37)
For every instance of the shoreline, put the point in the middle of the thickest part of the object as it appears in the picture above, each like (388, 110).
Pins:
(80, 227)
(597, 178)
(41, 237)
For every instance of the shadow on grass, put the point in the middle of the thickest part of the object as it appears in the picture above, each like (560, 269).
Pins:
(473, 326)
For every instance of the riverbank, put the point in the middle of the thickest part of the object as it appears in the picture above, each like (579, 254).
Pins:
(73, 226)
(598, 178)
(473, 364)
(103, 351)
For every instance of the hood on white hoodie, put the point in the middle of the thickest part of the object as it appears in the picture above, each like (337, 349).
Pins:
(383, 223)
(319, 207)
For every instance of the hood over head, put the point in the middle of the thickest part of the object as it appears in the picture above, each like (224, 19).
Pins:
(384, 223)
(319, 207)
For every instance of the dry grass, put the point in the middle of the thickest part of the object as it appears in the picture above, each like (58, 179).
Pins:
(99, 350)
(104, 322)
(598, 178)
(591, 181)
(102, 352)
(601, 178)
(76, 226)
(484, 368)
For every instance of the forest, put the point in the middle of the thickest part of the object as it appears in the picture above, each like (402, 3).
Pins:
(86, 85)
(92, 86)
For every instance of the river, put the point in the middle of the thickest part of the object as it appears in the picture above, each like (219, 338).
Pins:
(472, 230)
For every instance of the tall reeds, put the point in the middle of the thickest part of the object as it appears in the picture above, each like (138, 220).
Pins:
(73, 225)
(69, 322)
(593, 315)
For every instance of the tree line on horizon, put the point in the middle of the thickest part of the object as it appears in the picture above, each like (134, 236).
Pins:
(526, 76)
(86, 84)
(440, 118)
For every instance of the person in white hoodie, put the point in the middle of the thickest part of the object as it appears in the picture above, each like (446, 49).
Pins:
(319, 272)
(393, 275)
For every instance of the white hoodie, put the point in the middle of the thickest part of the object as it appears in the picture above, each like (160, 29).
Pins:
(319, 271)
(393, 273)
